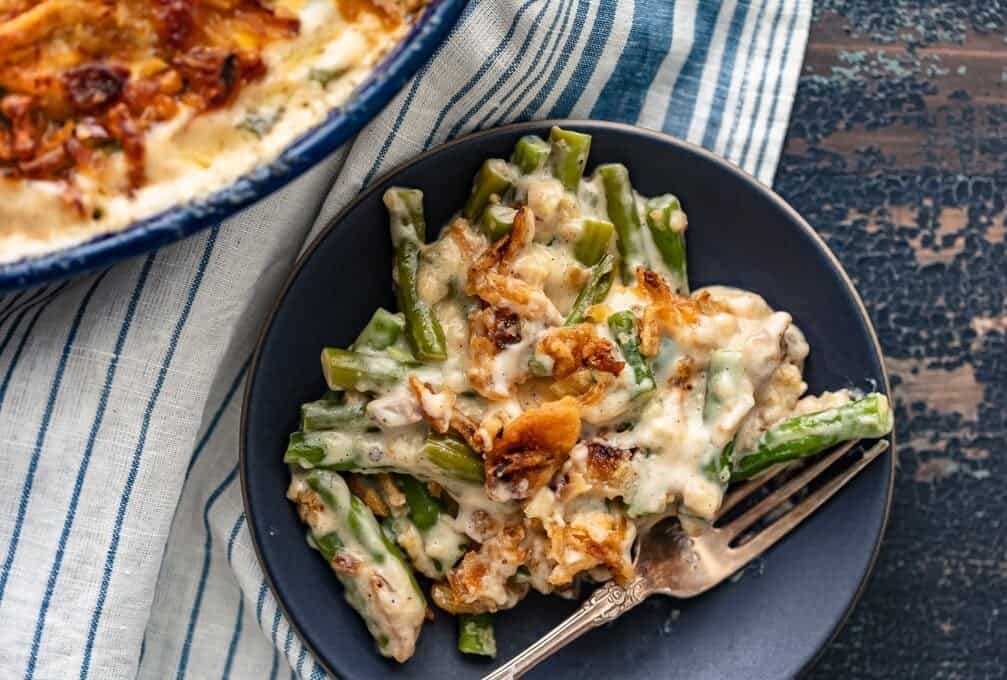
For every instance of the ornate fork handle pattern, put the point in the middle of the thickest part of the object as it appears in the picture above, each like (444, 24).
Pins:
(606, 604)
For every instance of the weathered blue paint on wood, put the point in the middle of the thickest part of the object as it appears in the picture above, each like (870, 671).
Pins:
(897, 153)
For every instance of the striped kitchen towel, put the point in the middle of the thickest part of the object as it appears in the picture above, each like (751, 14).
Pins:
(123, 548)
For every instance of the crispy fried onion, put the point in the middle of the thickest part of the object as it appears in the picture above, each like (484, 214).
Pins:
(469, 243)
(527, 301)
(490, 277)
(491, 330)
(378, 492)
(482, 581)
(683, 371)
(437, 406)
(364, 488)
(667, 310)
(584, 365)
(482, 351)
(348, 564)
(575, 347)
(590, 539)
(505, 329)
(309, 505)
(438, 409)
(586, 386)
(506, 300)
(309, 508)
(607, 464)
(531, 448)
(597, 468)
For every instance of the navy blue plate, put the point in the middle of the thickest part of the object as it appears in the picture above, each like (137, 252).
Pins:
(768, 624)
(182, 220)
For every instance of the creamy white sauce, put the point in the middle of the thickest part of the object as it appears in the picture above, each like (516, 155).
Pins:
(454, 320)
(432, 551)
(511, 363)
(554, 269)
(615, 403)
(398, 408)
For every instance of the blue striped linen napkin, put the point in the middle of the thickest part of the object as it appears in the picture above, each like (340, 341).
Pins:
(123, 545)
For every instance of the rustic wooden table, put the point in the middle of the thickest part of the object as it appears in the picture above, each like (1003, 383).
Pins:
(897, 153)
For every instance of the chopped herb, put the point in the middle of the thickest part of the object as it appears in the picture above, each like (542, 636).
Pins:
(324, 76)
(537, 368)
(259, 123)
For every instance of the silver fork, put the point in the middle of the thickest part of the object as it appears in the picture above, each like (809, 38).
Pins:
(671, 563)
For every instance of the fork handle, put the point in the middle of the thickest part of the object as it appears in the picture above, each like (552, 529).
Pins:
(607, 603)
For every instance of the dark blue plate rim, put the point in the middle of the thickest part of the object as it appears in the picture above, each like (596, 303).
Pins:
(595, 127)
(177, 222)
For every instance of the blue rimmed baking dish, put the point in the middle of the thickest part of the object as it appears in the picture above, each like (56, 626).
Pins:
(184, 219)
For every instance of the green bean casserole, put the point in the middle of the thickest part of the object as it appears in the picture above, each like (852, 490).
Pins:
(549, 386)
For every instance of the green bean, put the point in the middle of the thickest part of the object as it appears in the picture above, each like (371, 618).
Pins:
(530, 153)
(494, 178)
(348, 370)
(423, 509)
(807, 435)
(336, 450)
(408, 229)
(594, 291)
(328, 414)
(623, 213)
(423, 329)
(405, 214)
(497, 221)
(305, 453)
(454, 457)
(475, 635)
(376, 579)
(381, 332)
(667, 224)
(568, 156)
(718, 469)
(373, 541)
(443, 458)
(593, 242)
(364, 528)
(328, 544)
(623, 327)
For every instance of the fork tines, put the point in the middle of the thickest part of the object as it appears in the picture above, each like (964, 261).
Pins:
(779, 527)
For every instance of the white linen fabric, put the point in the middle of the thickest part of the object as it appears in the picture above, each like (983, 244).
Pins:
(123, 547)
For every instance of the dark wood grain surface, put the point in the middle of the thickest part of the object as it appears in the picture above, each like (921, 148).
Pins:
(897, 153)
